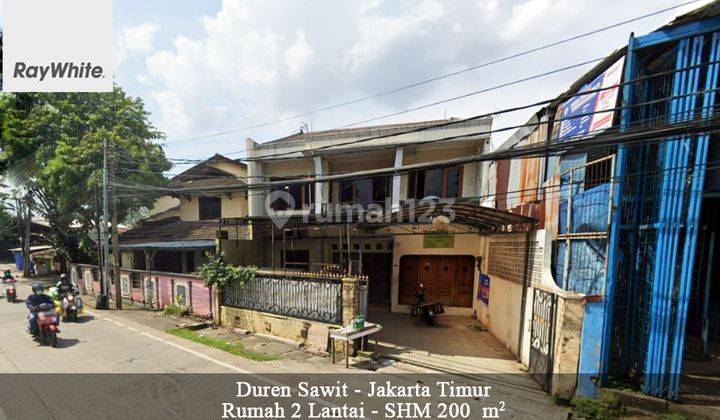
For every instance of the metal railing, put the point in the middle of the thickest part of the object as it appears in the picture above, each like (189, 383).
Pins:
(311, 298)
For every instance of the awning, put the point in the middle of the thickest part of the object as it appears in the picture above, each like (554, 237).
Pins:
(32, 248)
(484, 220)
(175, 245)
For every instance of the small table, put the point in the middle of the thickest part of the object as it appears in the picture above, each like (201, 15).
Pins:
(348, 334)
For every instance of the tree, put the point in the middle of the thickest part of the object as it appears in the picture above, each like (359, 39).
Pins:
(53, 144)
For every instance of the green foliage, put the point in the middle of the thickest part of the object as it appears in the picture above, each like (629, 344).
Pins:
(53, 144)
(216, 272)
(233, 348)
(606, 407)
(176, 310)
(562, 400)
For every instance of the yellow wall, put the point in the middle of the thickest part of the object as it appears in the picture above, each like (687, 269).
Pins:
(163, 204)
(413, 245)
(234, 205)
(236, 169)
(189, 208)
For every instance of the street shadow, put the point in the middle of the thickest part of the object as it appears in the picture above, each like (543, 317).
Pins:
(64, 343)
(84, 318)
(17, 300)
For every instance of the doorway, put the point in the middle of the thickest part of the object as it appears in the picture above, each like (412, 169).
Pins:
(377, 266)
(447, 279)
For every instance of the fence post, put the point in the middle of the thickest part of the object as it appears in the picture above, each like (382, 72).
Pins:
(350, 299)
(216, 304)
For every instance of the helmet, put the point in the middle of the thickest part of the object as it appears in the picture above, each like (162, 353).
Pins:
(7, 273)
(63, 276)
(38, 288)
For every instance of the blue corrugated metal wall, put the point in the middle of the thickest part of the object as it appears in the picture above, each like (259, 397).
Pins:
(655, 222)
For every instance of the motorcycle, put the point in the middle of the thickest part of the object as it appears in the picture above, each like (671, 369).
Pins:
(72, 306)
(10, 292)
(47, 324)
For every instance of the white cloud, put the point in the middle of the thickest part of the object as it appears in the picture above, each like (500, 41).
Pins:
(298, 55)
(135, 40)
(252, 62)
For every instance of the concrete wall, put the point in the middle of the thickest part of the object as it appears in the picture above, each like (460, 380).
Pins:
(189, 208)
(314, 335)
(502, 315)
(201, 296)
(163, 204)
(234, 205)
(473, 245)
(566, 355)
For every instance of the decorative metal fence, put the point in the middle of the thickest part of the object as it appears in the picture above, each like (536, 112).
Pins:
(363, 304)
(315, 299)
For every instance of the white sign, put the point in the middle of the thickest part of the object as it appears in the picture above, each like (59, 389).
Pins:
(57, 46)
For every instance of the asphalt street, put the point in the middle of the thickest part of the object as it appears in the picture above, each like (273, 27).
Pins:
(122, 368)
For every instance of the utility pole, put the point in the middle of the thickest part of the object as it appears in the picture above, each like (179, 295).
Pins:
(106, 245)
(27, 235)
(116, 244)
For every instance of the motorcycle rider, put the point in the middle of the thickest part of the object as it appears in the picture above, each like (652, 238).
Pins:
(6, 277)
(64, 286)
(36, 299)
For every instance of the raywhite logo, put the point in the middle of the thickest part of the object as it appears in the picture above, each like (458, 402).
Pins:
(57, 46)
(57, 70)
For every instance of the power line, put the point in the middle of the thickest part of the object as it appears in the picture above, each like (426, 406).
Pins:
(637, 123)
(439, 77)
(559, 98)
(534, 150)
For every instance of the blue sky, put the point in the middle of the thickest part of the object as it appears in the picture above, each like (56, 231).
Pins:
(205, 66)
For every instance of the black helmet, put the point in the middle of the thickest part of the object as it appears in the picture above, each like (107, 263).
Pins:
(38, 288)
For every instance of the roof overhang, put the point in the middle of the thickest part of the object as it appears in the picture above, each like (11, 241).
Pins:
(174, 245)
(483, 220)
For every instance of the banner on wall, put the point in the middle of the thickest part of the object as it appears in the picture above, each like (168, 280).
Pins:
(582, 114)
(484, 288)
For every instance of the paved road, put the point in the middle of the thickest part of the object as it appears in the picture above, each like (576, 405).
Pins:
(100, 343)
(115, 342)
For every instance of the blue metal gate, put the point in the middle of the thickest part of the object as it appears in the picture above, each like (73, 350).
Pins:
(657, 205)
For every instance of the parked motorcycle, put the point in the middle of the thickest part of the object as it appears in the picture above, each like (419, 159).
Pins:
(47, 324)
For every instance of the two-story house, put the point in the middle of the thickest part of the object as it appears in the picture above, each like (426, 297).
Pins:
(181, 228)
(318, 233)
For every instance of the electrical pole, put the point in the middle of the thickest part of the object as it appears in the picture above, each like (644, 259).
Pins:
(116, 243)
(106, 245)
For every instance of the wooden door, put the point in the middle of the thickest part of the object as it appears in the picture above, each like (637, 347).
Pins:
(445, 278)
(408, 279)
(465, 275)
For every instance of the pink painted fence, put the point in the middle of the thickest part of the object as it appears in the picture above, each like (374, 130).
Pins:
(149, 289)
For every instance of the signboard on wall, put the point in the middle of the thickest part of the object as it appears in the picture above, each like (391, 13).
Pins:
(435, 240)
(582, 114)
(484, 288)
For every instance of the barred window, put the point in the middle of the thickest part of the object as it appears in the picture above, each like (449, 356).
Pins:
(507, 260)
